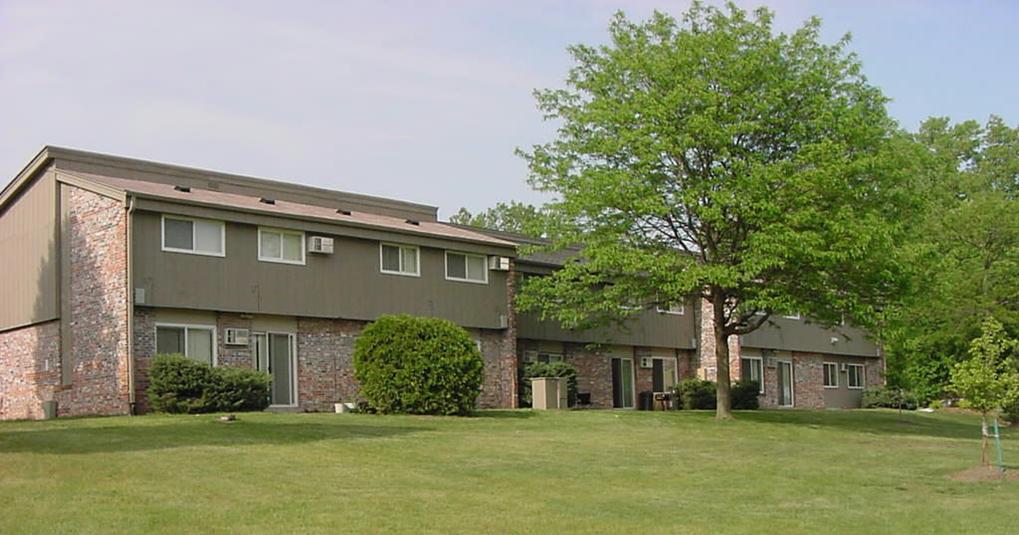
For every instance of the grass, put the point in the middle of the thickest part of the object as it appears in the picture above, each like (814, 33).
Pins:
(503, 472)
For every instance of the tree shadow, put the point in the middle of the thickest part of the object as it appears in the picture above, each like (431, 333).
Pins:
(158, 433)
(504, 414)
(908, 423)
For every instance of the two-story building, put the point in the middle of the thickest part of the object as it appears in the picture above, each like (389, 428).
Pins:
(108, 261)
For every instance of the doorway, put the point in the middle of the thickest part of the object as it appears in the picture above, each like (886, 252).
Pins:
(786, 391)
(276, 354)
(622, 383)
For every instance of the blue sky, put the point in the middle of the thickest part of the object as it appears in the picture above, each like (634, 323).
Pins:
(413, 100)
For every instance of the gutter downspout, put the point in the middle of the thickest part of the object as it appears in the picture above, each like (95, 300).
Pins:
(130, 308)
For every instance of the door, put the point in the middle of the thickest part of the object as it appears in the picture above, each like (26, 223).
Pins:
(785, 384)
(622, 383)
(274, 353)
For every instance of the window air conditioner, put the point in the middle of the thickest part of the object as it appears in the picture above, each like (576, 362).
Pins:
(237, 337)
(770, 362)
(321, 245)
(843, 367)
(499, 263)
(647, 362)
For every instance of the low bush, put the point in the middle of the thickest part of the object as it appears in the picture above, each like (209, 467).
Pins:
(548, 369)
(890, 398)
(745, 395)
(696, 394)
(408, 364)
(178, 384)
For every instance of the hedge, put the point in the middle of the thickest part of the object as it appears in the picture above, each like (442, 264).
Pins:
(178, 384)
(698, 394)
(408, 364)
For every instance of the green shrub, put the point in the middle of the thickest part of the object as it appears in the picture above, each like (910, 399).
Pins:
(407, 364)
(240, 390)
(178, 384)
(745, 395)
(696, 394)
(548, 369)
(890, 398)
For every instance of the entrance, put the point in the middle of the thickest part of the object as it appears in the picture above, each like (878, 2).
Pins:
(275, 353)
(785, 384)
(622, 383)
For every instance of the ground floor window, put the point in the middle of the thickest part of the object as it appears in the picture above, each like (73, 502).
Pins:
(854, 376)
(663, 373)
(752, 369)
(831, 375)
(193, 341)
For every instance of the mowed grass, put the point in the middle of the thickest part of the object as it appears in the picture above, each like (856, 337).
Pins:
(503, 472)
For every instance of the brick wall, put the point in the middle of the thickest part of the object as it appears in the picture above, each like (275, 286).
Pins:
(233, 356)
(808, 381)
(29, 369)
(325, 362)
(97, 234)
(707, 366)
(594, 373)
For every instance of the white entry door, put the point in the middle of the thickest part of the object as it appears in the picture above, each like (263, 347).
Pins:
(785, 384)
(276, 353)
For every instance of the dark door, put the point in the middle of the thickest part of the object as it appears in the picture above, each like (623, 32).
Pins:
(658, 375)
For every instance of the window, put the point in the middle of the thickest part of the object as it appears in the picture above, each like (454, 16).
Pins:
(795, 316)
(285, 246)
(195, 236)
(854, 376)
(193, 341)
(399, 259)
(672, 308)
(549, 357)
(751, 369)
(466, 267)
(831, 375)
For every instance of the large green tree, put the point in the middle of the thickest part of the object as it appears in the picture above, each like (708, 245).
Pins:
(964, 254)
(713, 157)
(516, 217)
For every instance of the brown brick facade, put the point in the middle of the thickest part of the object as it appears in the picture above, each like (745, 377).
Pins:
(29, 369)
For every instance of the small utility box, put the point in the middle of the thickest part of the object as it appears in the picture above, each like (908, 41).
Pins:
(548, 393)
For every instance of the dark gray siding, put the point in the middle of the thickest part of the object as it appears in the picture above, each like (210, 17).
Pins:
(346, 284)
(649, 328)
(799, 335)
(29, 256)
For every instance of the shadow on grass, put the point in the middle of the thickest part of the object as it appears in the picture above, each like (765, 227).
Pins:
(871, 421)
(504, 414)
(142, 434)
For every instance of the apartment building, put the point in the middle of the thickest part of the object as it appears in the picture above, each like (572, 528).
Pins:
(108, 261)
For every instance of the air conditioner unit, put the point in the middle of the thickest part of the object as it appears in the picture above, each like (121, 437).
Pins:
(499, 263)
(321, 245)
(647, 362)
(530, 356)
(771, 362)
(843, 367)
(237, 337)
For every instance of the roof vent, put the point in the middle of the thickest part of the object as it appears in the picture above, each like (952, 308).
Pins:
(266, 200)
(182, 189)
(413, 222)
(341, 211)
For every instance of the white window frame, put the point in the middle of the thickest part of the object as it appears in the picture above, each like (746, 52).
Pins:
(680, 312)
(162, 236)
(294, 361)
(484, 269)
(186, 326)
(795, 316)
(835, 375)
(400, 246)
(282, 232)
(863, 378)
(760, 366)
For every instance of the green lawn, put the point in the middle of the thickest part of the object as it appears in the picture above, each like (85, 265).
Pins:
(503, 472)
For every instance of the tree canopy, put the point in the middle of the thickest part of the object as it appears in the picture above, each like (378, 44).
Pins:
(516, 217)
(713, 157)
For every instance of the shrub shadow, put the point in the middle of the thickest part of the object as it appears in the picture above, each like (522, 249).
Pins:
(504, 414)
(183, 432)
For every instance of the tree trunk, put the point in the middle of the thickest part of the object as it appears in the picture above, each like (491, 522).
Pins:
(983, 441)
(723, 410)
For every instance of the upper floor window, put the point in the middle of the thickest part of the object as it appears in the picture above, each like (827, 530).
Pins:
(466, 267)
(195, 236)
(277, 245)
(399, 259)
(672, 308)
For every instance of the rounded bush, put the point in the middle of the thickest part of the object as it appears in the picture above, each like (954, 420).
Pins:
(414, 365)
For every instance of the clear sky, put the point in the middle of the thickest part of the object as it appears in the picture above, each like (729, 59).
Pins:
(423, 101)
